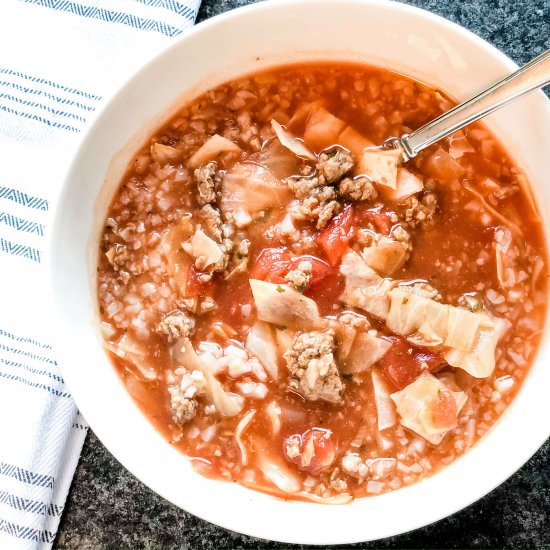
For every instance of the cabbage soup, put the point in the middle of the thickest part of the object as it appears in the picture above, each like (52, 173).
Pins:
(297, 311)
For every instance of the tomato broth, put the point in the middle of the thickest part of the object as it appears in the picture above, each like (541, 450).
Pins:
(298, 311)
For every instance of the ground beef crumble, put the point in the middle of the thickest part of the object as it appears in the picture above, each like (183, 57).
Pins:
(176, 324)
(207, 181)
(333, 165)
(300, 277)
(359, 188)
(312, 368)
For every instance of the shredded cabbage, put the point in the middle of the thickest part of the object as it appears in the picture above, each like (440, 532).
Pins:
(451, 326)
(380, 165)
(428, 407)
(322, 129)
(241, 427)
(261, 343)
(385, 409)
(203, 247)
(251, 187)
(276, 471)
(480, 361)
(211, 148)
(164, 153)
(226, 403)
(366, 350)
(354, 141)
(177, 262)
(291, 142)
(385, 255)
(407, 184)
(364, 288)
(132, 351)
(284, 306)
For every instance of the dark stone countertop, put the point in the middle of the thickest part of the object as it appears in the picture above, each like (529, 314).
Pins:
(109, 509)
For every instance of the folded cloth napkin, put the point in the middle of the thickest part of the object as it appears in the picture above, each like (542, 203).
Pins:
(58, 60)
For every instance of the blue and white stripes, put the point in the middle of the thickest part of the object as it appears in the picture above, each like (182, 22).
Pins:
(22, 223)
(40, 100)
(59, 59)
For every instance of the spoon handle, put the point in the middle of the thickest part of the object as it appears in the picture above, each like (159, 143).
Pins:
(531, 76)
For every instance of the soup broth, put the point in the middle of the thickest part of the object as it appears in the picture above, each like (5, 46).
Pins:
(299, 312)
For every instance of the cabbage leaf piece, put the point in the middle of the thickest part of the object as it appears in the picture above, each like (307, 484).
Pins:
(250, 187)
(226, 403)
(480, 361)
(366, 350)
(211, 148)
(291, 142)
(380, 166)
(428, 407)
(385, 255)
(385, 408)
(468, 340)
(261, 343)
(284, 306)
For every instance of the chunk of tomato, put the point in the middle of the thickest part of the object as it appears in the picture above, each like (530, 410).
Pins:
(402, 363)
(272, 264)
(335, 237)
(195, 286)
(312, 451)
(380, 219)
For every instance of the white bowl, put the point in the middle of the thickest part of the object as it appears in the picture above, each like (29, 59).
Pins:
(392, 35)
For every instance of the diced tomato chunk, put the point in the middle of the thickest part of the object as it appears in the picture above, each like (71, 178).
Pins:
(377, 217)
(335, 237)
(312, 451)
(320, 269)
(402, 363)
(196, 287)
(272, 264)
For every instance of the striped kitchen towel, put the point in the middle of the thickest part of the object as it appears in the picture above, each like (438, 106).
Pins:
(59, 59)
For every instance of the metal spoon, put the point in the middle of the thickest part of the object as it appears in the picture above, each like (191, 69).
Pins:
(531, 76)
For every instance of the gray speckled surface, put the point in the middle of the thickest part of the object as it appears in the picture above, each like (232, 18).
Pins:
(110, 509)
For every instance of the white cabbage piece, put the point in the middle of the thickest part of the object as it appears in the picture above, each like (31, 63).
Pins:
(480, 361)
(281, 162)
(211, 148)
(226, 403)
(284, 338)
(275, 470)
(239, 430)
(409, 311)
(469, 338)
(361, 281)
(284, 306)
(177, 262)
(385, 409)
(354, 141)
(428, 407)
(164, 153)
(463, 328)
(451, 326)
(204, 248)
(261, 343)
(345, 336)
(366, 350)
(135, 353)
(380, 165)
(407, 184)
(291, 142)
(322, 128)
(251, 187)
(385, 255)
